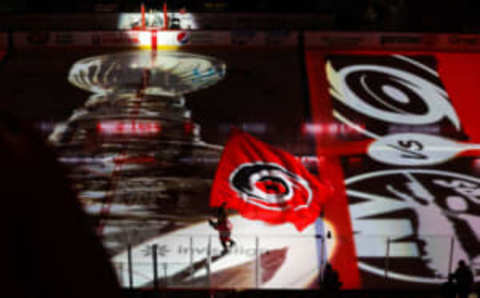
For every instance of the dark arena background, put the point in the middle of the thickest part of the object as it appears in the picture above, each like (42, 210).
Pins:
(137, 101)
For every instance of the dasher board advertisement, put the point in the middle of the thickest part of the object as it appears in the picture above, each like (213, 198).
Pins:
(153, 38)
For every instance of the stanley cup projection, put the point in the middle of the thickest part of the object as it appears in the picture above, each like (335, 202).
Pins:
(136, 158)
(145, 176)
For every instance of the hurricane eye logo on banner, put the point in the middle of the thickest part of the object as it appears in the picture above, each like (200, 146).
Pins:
(430, 217)
(389, 90)
(269, 186)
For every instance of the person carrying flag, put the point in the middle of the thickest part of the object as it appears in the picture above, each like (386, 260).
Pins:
(224, 228)
(267, 184)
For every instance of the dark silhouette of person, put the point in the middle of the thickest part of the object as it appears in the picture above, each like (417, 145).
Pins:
(221, 211)
(224, 228)
(464, 279)
(50, 250)
(331, 280)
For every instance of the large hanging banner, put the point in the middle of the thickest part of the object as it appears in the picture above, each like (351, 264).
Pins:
(407, 182)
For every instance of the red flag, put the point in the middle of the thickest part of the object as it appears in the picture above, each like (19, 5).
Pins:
(268, 184)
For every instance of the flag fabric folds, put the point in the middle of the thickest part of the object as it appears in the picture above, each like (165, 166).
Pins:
(265, 183)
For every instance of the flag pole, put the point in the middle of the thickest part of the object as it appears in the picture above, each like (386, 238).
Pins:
(257, 263)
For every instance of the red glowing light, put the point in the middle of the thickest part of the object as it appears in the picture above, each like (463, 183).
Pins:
(188, 128)
(134, 159)
(331, 129)
(139, 128)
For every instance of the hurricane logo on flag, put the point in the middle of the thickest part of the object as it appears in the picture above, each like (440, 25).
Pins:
(269, 186)
(264, 183)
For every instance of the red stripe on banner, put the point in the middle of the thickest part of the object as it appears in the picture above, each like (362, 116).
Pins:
(344, 258)
(460, 75)
(154, 40)
(346, 148)
(471, 153)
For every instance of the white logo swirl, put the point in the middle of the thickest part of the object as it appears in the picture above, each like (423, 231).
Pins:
(399, 89)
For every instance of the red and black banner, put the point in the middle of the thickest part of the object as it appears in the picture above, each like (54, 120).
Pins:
(407, 193)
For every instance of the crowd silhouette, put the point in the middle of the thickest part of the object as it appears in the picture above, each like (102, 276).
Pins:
(51, 250)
